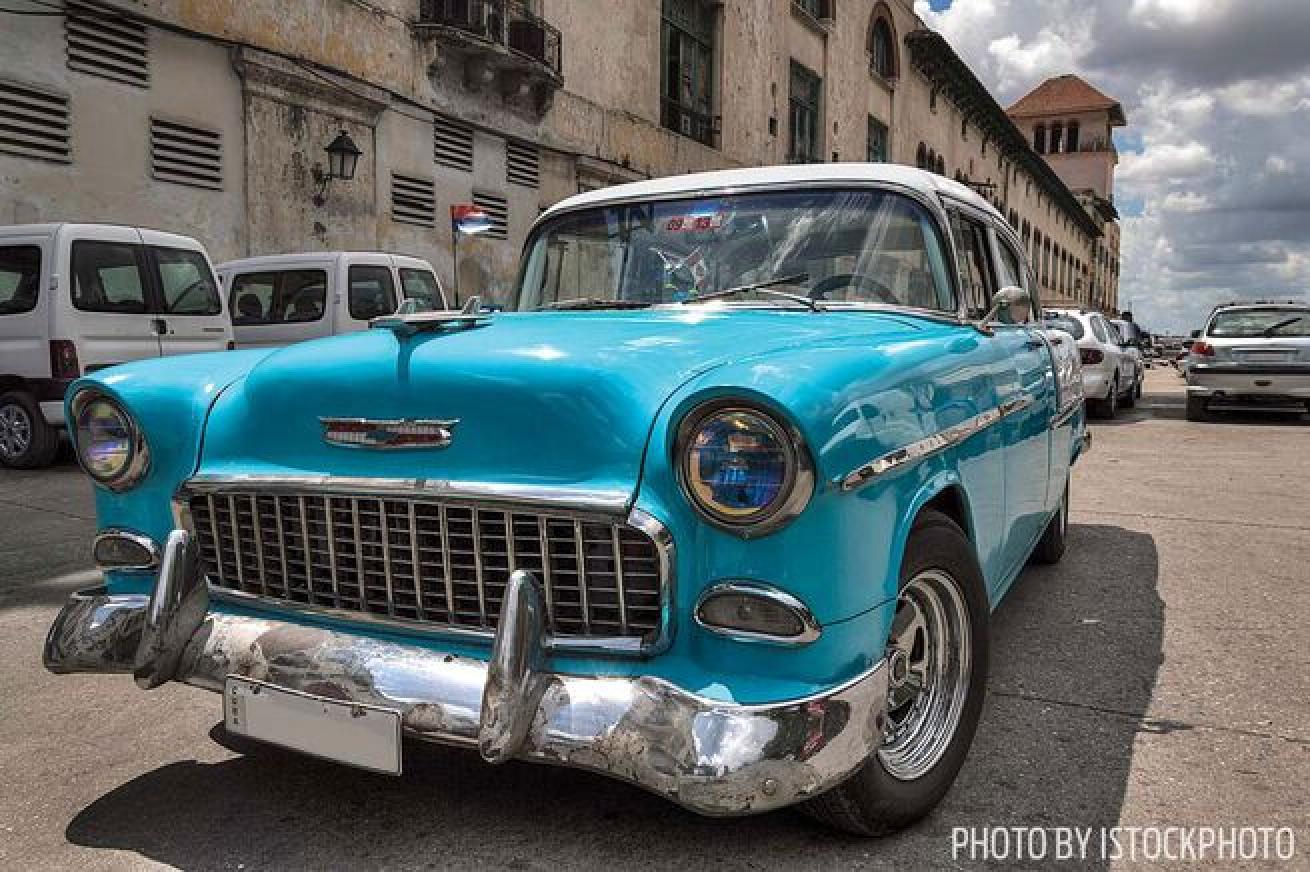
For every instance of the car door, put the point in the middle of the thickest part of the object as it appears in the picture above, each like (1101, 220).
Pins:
(104, 303)
(187, 303)
(370, 293)
(1029, 426)
(1020, 391)
(24, 306)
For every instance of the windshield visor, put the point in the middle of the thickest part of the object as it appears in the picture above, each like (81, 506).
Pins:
(838, 246)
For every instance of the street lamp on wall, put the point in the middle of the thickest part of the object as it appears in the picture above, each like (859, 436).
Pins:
(343, 156)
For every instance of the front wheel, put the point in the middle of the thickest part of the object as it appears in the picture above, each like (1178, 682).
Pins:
(1109, 407)
(937, 674)
(1050, 548)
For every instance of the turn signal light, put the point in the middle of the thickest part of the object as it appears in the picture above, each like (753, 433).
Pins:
(1204, 349)
(1092, 355)
(63, 359)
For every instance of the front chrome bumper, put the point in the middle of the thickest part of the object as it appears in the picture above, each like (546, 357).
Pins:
(712, 757)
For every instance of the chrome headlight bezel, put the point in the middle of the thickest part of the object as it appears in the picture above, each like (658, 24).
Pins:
(798, 480)
(137, 463)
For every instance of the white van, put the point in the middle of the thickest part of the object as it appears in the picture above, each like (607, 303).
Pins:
(75, 298)
(284, 298)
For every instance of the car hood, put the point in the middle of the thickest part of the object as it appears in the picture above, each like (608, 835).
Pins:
(546, 400)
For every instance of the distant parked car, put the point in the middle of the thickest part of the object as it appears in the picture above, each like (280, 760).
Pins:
(76, 298)
(284, 298)
(1250, 356)
(1132, 340)
(1111, 376)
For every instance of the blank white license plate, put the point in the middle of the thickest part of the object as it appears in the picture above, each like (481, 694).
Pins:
(360, 735)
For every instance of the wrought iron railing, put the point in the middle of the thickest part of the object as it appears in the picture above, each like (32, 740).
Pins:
(700, 126)
(511, 24)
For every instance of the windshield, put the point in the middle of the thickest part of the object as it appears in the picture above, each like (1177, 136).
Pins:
(1068, 324)
(1260, 322)
(842, 246)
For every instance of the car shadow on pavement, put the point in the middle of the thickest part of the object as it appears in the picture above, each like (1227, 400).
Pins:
(1075, 652)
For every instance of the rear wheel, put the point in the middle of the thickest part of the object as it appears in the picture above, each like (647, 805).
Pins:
(1109, 407)
(1129, 399)
(1050, 548)
(26, 440)
(1196, 409)
(937, 674)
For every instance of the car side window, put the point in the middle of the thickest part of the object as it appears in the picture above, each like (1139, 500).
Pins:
(286, 297)
(420, 284)
(107, 277)
(1009, 272)
(1098, 329)
(20, 278)
(187, 283)
(372, 293)
(971, 250)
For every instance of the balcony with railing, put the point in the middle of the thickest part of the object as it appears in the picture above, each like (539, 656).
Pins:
(497, 40)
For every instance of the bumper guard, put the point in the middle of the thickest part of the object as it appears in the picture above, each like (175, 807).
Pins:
(712, 757)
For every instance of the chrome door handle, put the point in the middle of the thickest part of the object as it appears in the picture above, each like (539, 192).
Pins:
(1034, 344)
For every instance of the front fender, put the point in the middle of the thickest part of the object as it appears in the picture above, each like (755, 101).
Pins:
(170, 399)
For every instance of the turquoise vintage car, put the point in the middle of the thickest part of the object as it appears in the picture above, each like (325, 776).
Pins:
(719, 508)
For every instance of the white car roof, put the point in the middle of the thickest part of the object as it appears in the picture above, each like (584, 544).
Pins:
(318, 257)
(819, 174)
(89, 229)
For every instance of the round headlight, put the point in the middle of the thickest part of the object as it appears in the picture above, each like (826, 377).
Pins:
(743, 469)
(109, 444)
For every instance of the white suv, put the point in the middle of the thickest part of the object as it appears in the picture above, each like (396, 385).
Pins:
(75, 298)
(1111, 375)
(1250, 356)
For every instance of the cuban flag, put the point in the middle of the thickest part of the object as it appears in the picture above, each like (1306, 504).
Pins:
(468, 219)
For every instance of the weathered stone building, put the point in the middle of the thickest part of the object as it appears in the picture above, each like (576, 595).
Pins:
(210, 117)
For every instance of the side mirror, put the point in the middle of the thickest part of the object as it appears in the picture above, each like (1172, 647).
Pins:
(1007, 299)
(1196, 334)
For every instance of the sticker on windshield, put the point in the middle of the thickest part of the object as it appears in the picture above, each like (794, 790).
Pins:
(695, 222)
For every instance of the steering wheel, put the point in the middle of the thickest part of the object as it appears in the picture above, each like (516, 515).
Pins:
(826, 286)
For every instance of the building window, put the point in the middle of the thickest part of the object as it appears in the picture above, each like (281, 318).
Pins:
(1071, 138)
(932, 100)
(921, 156)
(1057, 137)
(940, 167)
(964, 128)
(686, 74)
(882, 44)
(876, 147)
(1039, 139)
(816, 9)
(803, 113)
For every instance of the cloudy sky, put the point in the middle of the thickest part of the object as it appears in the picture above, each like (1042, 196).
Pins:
(1214, 170)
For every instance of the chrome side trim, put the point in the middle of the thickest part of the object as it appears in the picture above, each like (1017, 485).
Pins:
(934, 444)
(139, 539)
(1064, 415)
(595, 503)
(811, 630)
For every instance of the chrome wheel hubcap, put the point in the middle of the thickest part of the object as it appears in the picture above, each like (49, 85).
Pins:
(15, 431)
(928, 662)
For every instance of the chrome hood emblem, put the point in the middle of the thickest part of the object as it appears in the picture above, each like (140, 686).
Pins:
(400, 433)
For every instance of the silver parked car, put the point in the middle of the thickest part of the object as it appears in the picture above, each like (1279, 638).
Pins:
(1250, 356)
(1111, 376)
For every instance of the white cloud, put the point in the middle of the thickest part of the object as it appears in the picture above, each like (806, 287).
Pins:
(1185, 201)
(1166, 163)
(1278, 165)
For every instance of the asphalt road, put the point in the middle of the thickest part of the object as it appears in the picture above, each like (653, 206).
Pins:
(1159, 676)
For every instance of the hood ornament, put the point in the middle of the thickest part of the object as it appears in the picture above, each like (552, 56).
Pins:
(410, 317)
(394, 433)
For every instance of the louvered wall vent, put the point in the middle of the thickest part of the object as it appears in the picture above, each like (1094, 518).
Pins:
(34, 123)
(186, 155)
(412, 200)
(107, 43)
(522, 164)
(452, 144)
(497, 211)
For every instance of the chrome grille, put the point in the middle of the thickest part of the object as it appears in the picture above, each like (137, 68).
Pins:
(436, 562)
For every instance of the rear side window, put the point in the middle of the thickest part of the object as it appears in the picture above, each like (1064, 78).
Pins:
(20, 278)
(107, 277)
(1072, 326)
(285, 297)
(372, 293)
(419, 284)
(974, 262)
(187, 283)
(1099, 330)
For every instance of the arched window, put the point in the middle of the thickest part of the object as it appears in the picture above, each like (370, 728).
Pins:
(941, 165)
(882, 43)
(964, 128)
(1057, 138)
(1039, 138)
(1071, 138)
(921, 157)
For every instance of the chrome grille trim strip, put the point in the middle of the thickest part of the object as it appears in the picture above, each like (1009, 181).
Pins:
(933, 444)
(633, 551)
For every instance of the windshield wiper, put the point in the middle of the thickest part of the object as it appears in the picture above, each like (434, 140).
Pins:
(1269, 331)
(594, 303)
(763, 288)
